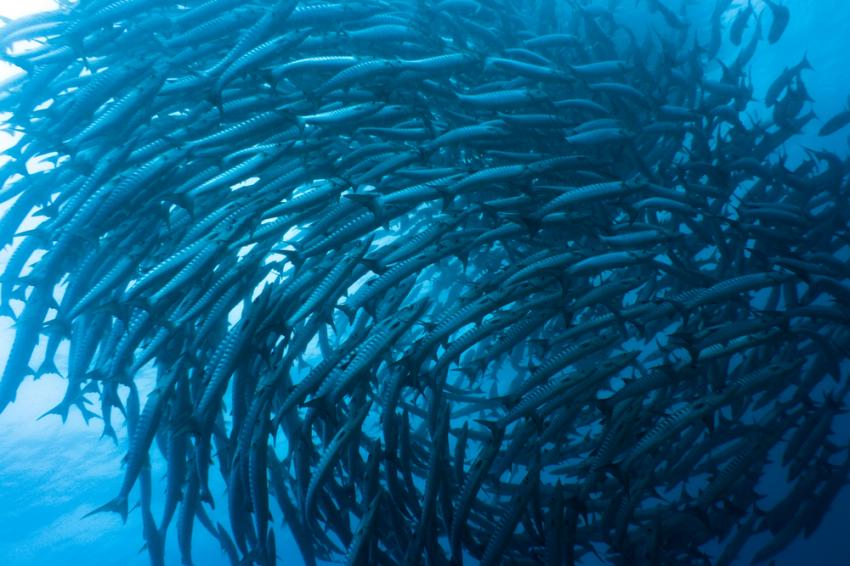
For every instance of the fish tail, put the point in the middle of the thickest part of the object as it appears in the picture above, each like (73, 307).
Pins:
(109, 431)
(61, 409)
(48, 366)
(117, 505)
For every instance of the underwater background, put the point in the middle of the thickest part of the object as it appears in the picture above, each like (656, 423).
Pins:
(53, 473)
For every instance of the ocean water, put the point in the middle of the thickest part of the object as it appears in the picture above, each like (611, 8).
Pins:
(53, 473)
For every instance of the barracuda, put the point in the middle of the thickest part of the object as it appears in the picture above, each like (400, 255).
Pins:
(458, 280)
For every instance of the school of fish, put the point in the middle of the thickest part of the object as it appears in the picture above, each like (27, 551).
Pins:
(433, 282)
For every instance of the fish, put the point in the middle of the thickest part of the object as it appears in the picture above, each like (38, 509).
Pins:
(740, 23)
(835, 123)
(781, 18)
(432, 281)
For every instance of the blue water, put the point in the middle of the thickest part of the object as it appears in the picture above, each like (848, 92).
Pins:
(52, 474)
